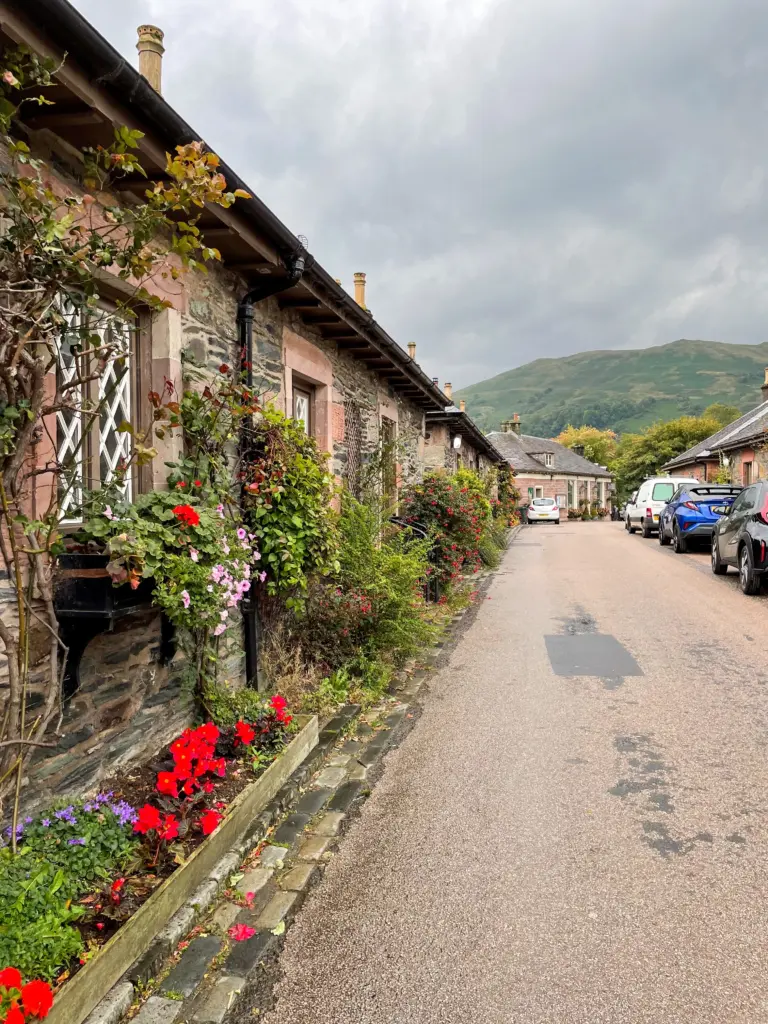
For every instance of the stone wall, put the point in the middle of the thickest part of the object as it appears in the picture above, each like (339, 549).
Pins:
(128, 706)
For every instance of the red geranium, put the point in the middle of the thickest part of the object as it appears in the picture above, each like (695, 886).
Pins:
(10, 977)
(244, 733)
(169, 828)
(36, 998)
(149, 818)
(209, 821)
(279, 704)
(14, 1016)
(186, 515)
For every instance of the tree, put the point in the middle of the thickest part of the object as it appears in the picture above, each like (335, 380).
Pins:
(724, 414)
(57, 240)
(642, 455)
(599, 445)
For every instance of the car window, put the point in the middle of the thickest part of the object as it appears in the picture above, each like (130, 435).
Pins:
(745, 500)
(543, 501)
(680, 491)
(662, 492)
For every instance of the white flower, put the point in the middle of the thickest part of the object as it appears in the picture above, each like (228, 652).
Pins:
(194, 554)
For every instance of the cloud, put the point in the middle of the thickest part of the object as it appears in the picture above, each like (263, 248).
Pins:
(517, 178)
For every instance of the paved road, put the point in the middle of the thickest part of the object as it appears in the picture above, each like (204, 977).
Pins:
(546, 848)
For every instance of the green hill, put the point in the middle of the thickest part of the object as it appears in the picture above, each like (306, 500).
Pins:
(625, 390)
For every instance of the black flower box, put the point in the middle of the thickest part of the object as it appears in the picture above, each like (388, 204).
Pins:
(84, 590)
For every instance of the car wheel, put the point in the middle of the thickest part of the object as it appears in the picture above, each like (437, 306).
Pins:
(663, 538)
(719, 568)
(630, 527)
(646, 530)
(749, 581)
(679, 545)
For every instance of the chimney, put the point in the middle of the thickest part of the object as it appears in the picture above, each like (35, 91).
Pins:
(360, 290)
(412, 349)
(764, 388)
(337, 280)
(512, 426)
(462, 406)
(578, 449)
(436, 382)
(151, 50)
(448, 389)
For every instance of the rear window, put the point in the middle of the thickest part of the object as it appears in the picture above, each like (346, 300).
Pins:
(543, 501)
(662, 492)
(707, 492)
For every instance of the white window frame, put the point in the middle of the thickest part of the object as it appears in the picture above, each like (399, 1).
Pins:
(549, 460)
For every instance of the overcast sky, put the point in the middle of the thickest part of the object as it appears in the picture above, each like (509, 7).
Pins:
(518, 178)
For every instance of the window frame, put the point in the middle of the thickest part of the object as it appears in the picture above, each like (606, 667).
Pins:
(300, 387)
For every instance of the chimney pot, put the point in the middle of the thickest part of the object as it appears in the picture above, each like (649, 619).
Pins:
(412, 349)
(512, 426)
(764, 388)
(448, 389)
(151, 50)
(435, 381)
(337, 280)
(462, 405)
(360, 290)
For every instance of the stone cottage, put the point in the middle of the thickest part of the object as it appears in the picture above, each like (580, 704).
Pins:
(313, 349)
(737, 452)
(545, 469)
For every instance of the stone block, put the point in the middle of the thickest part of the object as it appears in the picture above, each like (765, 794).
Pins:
(299, 877)
(357, 773)
(255, 879)
(189, 972)
(345, 795)
(112, 1008)
(339, 760)
(245, 956)
(224, 916)
(219, 1000)
(330, 778)
(272, 856)
(329, 824)
(158, 1010)
(276, 910)
(313, 801)
(290, 828)
(313, 848)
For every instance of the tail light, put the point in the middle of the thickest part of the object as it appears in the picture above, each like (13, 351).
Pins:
(649, 513)
(691, 504)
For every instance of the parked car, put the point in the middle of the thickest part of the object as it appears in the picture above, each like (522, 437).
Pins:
(643, 512)
(740, 538)
(543, 510)
(691, 514)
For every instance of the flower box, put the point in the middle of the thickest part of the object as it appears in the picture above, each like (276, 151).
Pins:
(84, 590)
(88, 987)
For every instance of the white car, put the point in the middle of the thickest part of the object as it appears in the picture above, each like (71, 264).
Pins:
(644, 507)
(543, 510)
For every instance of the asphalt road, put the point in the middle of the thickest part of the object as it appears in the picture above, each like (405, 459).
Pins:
(563, 849)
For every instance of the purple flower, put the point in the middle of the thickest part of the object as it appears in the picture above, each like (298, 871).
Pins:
(46, 822)
(124, 813)
(28, 820)
(90, 807)
(76, 842)
(66, 814)
(104, 798)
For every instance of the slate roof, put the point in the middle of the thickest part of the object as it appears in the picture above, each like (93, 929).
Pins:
(525, 453)
(749, 427)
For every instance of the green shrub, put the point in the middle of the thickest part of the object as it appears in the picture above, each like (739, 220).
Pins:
(489, 552)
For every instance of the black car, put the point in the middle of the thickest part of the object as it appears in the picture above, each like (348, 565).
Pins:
(740, 538)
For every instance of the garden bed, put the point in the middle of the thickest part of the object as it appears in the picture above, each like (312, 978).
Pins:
(81, 993)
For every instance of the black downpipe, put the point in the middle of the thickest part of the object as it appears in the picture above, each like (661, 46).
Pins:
(295, 264)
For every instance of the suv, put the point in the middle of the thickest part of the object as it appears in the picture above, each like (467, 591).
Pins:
(740, 538)
(692, 512)
(653, 494)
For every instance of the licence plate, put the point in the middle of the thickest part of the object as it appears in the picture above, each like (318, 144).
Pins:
(655, 519)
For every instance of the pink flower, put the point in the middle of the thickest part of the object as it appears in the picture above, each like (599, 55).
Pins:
(185, 598)
(241, 932)
(10, 79)
(220, 510)
(262, 577)
(194, 554)
(108, 512)
(220, 629)
(225, 546)
(224, 615)
(257, 556)
(241, 533)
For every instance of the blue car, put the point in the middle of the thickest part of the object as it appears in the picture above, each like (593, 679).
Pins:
(691, 513)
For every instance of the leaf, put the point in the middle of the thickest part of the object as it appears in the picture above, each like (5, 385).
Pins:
(125, 428)
(279, 929)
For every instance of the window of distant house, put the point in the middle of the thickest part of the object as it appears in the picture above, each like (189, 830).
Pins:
(302, 406)
(549, 460)
(746, 473)
(571, 494)
(538, 492)
(91, 451)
